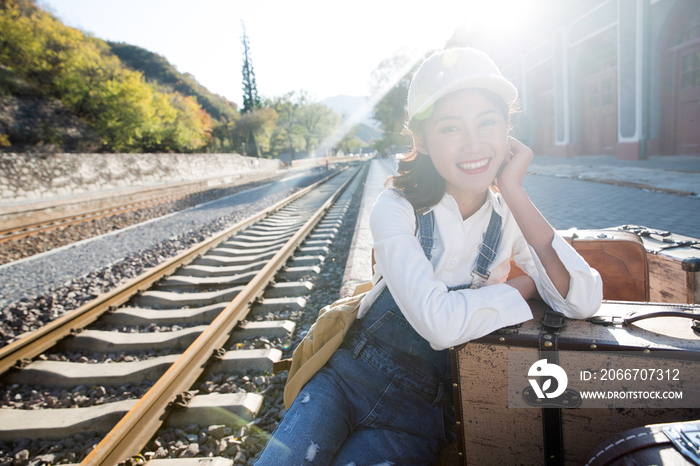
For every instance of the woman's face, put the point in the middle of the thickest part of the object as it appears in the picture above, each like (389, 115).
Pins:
(467, 139)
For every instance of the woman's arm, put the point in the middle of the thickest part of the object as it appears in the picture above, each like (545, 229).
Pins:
(441, 317)
(525, 286)
(537, 231)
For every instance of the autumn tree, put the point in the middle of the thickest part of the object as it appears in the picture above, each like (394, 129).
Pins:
(318, 122)
(289, 133)
(191, 128)
(261, 123)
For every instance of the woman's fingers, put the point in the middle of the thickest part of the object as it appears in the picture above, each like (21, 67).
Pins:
(518, 160)
(518, 149)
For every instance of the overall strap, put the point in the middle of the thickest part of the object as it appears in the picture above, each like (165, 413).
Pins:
(487, 249)
(426, 227)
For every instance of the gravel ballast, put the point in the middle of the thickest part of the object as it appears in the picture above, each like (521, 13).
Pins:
(244, 443)
(45, 241)
(240, 442)
(39, 289)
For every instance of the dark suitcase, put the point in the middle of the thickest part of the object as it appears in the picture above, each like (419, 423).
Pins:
(674, 265)
(499, 419)
(668, 444)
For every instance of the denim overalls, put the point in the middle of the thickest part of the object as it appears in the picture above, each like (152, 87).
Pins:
(385, 396)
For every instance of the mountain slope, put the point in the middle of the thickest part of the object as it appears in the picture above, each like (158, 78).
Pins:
(368, 133)
(157, 69)
(348, 105)
(52, 71)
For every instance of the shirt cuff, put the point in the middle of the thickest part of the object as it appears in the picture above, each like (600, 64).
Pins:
(585, 286)
(518, 309)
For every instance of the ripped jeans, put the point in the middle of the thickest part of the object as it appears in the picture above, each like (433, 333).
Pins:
(373, 403)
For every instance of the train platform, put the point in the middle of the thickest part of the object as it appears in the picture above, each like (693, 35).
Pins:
(672, 174)
(358, 268)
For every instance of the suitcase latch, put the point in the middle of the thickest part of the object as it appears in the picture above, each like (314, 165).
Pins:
(607, 320)
(553, 319)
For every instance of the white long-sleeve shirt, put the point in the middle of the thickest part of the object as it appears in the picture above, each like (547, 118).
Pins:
(419, 286)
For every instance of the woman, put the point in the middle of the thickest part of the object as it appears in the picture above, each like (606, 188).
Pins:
(385, 395)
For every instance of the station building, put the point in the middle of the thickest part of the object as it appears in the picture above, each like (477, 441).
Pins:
(598, 77)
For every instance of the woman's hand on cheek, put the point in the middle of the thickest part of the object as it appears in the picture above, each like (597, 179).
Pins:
(514, 166)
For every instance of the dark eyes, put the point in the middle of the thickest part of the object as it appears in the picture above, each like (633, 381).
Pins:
(452, 129)
(449, 129)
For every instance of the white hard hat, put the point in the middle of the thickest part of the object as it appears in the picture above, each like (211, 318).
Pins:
(453, 69)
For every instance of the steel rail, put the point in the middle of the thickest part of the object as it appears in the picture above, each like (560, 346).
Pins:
(38, 227)
(45, 337)
(137, 427)
(35, 228)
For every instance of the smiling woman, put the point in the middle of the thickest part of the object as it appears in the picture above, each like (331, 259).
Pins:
(441, 278)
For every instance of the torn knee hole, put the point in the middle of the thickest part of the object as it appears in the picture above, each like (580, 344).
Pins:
(311, 452)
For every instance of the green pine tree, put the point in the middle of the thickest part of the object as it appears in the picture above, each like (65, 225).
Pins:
(251, 100)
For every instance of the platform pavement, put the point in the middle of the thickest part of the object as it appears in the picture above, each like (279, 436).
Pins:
(358, 268)
(673, 174)
(671, 201)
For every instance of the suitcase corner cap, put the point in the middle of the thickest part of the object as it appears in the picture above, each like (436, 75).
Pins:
(691, 264)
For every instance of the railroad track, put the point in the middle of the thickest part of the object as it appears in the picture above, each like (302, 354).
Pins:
(10, 234)
(209, 306)
(15, 233)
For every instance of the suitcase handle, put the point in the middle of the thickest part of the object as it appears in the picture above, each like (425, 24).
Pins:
(635, 317)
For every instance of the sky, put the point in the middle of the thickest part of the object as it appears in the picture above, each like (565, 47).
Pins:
(326, 48)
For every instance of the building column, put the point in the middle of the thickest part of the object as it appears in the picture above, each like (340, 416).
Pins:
(562, 134)
(524, 97)
(630, 40)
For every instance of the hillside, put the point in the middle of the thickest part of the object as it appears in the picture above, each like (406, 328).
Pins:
(66, 90)
(368, 133)
(62, 88)
(28, 121)
(348, 105)
(158, 70)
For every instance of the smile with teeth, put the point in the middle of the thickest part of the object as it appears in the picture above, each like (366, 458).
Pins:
(473, 165)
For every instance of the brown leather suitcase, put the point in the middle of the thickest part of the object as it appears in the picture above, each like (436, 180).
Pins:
(495, 427)
(674, 265)
(619, 257)
(669, 444)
